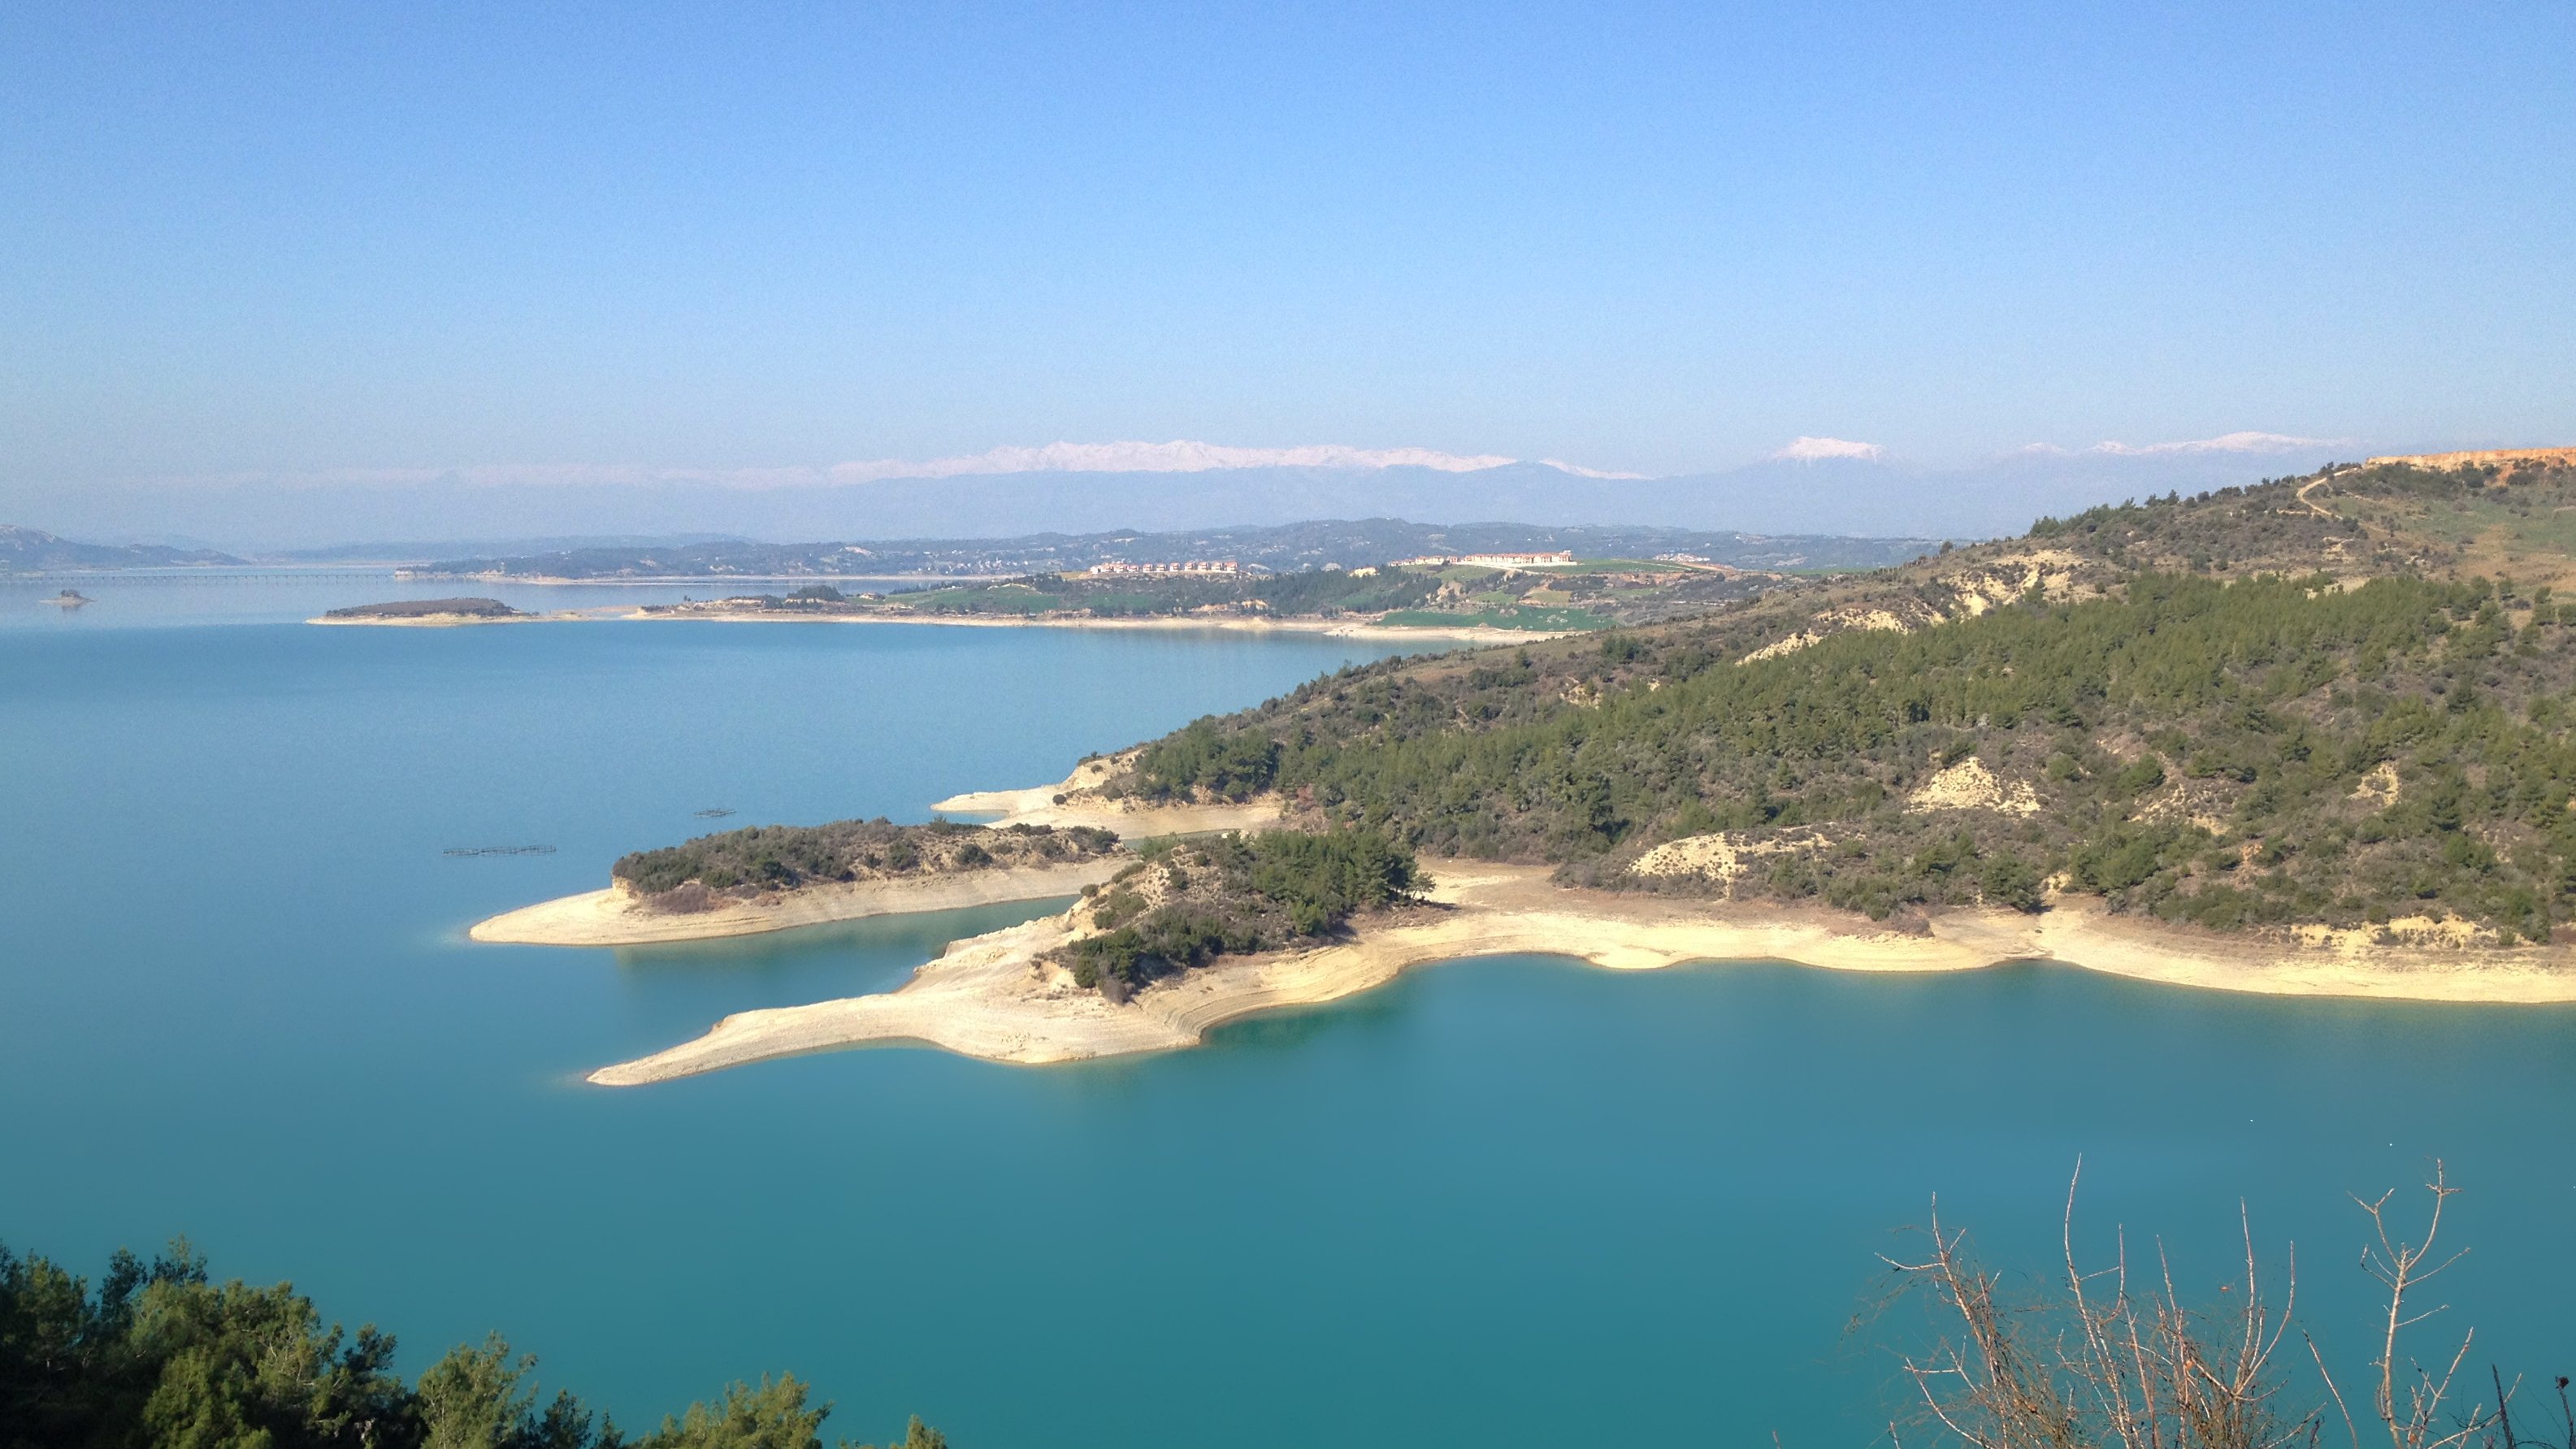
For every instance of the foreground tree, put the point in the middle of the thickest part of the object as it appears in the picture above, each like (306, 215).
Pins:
(161, 1356)
(2111, 1357)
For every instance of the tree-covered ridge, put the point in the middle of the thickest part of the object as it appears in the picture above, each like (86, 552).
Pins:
(159, 1354)
(2273, 751)
(1235, 894)
(2377, 518)
(784, 857)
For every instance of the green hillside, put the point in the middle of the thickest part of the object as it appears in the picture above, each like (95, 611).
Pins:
(2290, 704)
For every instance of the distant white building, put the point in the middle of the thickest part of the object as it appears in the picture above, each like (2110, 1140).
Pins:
(1187, 568)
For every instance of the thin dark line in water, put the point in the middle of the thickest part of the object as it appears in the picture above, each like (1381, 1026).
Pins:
(718, 813)
(465, 850)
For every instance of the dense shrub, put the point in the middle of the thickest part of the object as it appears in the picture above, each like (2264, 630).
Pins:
(1236, 894)
(1232, 765)
(160, 1354)
(2198, 747)
(783, 857)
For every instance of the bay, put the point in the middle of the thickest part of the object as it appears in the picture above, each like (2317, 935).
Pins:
(1513, 1199)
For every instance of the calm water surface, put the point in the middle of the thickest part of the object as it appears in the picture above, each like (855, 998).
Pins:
(1507, 1201)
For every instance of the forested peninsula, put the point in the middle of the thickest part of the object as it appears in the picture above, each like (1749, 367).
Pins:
(2309, 736)
(2334, 704)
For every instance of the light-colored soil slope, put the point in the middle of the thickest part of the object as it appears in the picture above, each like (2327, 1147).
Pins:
(1082, 803)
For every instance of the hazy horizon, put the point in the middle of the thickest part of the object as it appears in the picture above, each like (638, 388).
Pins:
(1820, 486)
(322, 253)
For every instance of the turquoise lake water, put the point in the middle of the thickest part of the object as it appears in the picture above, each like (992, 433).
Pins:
(1509, 1201)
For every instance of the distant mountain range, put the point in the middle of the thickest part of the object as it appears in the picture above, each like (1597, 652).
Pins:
(414, 550)
(1286, 549)
(28, 550)
(1831, 489)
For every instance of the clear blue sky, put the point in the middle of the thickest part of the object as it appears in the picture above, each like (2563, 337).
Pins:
(268, 238)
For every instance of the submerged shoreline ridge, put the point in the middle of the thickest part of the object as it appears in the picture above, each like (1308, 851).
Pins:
(990, 997)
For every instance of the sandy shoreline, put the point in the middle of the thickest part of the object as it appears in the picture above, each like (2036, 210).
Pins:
(988, 998)
(615, 917)
(1076, 800)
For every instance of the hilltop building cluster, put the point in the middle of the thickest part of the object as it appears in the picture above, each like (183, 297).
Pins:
(1557, 560)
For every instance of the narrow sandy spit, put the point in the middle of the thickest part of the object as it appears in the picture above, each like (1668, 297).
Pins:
(618, 917)
(988, 997)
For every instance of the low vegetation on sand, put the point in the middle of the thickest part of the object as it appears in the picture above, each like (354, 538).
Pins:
(1191, 901)
(2353, 734)
(429, 609)
(740, 864)
(160, 1354)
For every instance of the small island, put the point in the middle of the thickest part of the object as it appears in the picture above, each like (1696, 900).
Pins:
(429, 612)
(769, 878)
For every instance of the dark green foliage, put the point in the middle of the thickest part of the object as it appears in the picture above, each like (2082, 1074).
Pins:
(427, 608)
(162, 1356)
(1171, 938)
(918, 1435)
(772, 1416)
(484, 1398)
(783, 857)
(1235, 894)
(1320, 879)
(1230, 766)
(1623, 648)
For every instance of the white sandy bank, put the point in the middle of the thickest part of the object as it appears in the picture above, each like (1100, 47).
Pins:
(988, 997)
